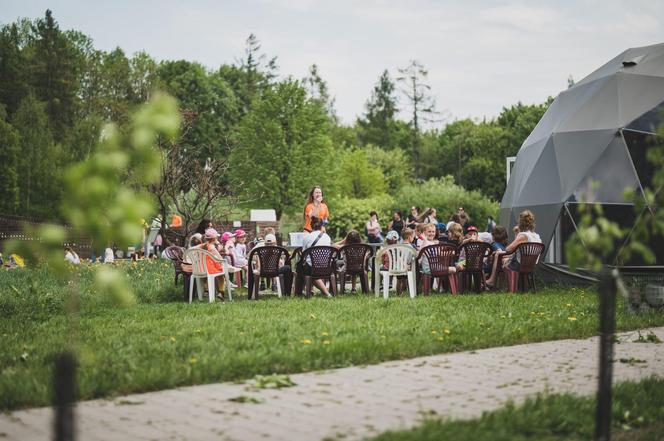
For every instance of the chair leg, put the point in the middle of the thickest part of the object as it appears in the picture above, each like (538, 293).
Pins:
(228, 285)
(199, 288)
(364, 282)
(452, 280)
(411, 284)
(342, 282)
(192, 281)
(386, 285)
(426, 284)
(333, 284)
(211, 288)
(376, 282)
(280, 286)
(307, 286)
(255, 288)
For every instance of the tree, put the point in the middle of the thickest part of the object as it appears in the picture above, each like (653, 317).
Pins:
(379, 125)
(13, 77)
(9, 155)
(422, 104)
(394, 164)
(358, 178)
(116, 93)
(283, 148)
(210, 100)
(317, 88)
(475, 155)
(252, 74)
(38, 163)
(55, 69)
(519, 121)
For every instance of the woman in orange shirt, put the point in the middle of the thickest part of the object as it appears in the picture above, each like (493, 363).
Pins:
(315, 207)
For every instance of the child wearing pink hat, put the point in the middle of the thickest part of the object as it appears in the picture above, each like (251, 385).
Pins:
(241, 252)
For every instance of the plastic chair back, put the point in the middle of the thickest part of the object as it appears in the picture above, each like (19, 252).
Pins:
(440, 258)
(356, 255)
(323, 260)
(400, 258)
(269, 258)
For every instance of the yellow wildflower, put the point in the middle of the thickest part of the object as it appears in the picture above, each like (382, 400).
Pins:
(446, 331)
(306, 341)
(571, 318)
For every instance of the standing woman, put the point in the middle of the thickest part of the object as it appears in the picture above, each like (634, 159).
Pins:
(315, 207)
(396, 223)
(373, 229)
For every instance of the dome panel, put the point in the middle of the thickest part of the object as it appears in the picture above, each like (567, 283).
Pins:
(575, 153)
(637, 95)
(609, 177)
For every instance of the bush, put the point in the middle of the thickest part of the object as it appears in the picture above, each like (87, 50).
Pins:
(445, 196)
(350, 213)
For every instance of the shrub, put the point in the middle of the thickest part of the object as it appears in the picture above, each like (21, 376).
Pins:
(445, 196)
(350, 213)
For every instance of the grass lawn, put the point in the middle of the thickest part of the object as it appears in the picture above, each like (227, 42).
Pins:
(638, 414)
(163, 342)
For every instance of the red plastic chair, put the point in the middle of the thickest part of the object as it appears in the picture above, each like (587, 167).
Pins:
(441, 258)
(528, 255)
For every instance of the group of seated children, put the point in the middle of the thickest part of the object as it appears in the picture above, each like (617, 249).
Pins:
(452, 233)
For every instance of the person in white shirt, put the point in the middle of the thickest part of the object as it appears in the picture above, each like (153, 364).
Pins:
(108, 255)
(71, 256)
(317, 237)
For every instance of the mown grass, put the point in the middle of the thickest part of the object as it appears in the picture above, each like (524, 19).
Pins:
(163, 342)
(637, 414)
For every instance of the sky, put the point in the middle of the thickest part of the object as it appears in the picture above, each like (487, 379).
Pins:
(481, 55)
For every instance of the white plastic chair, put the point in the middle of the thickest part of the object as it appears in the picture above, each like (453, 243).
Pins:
(199, 271)
(401, 263)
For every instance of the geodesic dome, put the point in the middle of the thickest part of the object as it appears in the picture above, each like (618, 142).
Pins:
(596, 131)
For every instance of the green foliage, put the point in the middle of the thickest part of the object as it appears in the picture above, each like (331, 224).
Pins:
(9, 165)
(209, 100)
(39, 180)
(379, 125)
(357, 177)
(594, 240)
(283, 148)
(474, 154)
(445, 196)
(394, 164)
(100, 201)
(352, 214)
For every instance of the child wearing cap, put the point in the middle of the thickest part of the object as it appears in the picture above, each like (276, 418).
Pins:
(213, 266)
(241, 252)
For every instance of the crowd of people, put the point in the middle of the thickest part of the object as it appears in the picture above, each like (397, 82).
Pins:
(419, 229)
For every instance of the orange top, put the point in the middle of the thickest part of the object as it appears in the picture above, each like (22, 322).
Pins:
(177, 221)
(323, 213)
(213, 266)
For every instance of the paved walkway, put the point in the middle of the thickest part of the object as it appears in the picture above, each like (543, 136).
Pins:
(351, 403)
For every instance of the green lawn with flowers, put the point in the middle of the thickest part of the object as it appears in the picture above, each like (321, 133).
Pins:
(162, 342)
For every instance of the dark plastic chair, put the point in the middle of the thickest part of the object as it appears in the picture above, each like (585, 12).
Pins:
(176, 255)
(323, 266)
(529, 254)
(441, 258)
(356, 259)
(269, 260)
(475, 253)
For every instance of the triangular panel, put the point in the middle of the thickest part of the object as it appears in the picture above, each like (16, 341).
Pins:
(609, 177)
(575, 153)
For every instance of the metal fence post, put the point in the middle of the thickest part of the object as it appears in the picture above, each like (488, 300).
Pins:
(607, 328)
(64, 384)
